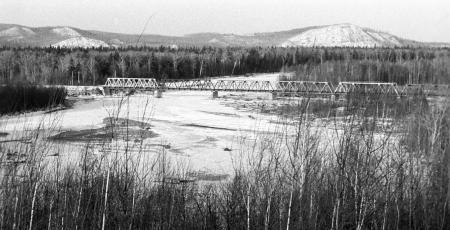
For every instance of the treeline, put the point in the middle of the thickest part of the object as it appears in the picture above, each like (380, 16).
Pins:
(21, 98)
(368, 178)
(399, 66)
(93, 66)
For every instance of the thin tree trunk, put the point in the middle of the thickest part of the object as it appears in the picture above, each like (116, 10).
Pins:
(65, 206)
(248, 210)
(267, 219)
(132, 208)
(337, 214)
(398, 215)
(50, 216)
(106, 201)
(15, 211)
(289, 209)
(281, 213)
(333, 217)
(171, 210)
(79, 203)
(444, 213)
(32, 206)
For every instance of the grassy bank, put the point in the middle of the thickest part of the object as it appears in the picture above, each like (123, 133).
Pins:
(20, 98)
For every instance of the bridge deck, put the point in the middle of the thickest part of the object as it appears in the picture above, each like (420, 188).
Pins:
(301, 87)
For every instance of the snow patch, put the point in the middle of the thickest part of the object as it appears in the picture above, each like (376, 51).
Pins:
(230, 36)
(116, 41)
(81, 42)
(66, 32)
(342, 35)
(11, 32)
(16, 32)
(214, 40)
(385, 38)
(217, 42)
(28, 31)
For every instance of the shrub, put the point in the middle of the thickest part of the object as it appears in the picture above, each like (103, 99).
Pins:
(20, 98)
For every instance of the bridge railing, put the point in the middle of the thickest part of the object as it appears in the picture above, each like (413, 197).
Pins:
(196, 84)
(308, 87)
(218, 85)
(249, 85)
(244, 85)
(305, 87)
(136, 83)
(368, 87)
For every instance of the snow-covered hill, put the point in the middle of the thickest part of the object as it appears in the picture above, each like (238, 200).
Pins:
(16, 33)
(65, 32)
(343, 35)
(81, 42)
(340, 35)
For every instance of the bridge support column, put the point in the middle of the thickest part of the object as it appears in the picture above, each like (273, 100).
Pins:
(333, 97)
(158, 93)
(215, 94)
(107, 91)
(274, 95)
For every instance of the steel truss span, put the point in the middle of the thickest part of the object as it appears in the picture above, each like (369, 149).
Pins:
(249, 86)
(221, 85)
(300, 87)
(368, 87)
(132, 83)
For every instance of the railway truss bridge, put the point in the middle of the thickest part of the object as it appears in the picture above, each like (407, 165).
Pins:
(305, 88)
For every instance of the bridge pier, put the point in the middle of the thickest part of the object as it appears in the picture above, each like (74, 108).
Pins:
(215, 94)
(274, 95)
(107, 91)
(333, 97)
(158, 93)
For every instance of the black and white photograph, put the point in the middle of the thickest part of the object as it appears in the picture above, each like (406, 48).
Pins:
(225, 114)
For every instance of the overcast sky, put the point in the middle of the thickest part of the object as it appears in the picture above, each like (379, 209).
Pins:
(423, 20)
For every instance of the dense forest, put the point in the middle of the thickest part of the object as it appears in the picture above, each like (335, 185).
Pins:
(22, 98)
(93, 66)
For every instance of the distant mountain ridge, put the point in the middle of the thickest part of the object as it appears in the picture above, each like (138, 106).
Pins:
(339, 35)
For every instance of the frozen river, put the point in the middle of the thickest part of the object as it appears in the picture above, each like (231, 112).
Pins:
(196, 132)
(190, 126)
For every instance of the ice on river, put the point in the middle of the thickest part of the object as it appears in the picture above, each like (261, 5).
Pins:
(194, 127)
